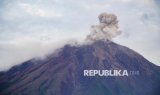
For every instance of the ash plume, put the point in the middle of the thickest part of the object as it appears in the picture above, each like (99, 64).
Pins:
(106, 30)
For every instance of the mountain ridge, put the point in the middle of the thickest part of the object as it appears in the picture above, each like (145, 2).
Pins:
(63, 74)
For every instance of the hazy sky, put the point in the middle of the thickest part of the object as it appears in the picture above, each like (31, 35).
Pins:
(31, 28)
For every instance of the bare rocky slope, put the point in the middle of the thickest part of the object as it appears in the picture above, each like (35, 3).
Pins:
(63, 74)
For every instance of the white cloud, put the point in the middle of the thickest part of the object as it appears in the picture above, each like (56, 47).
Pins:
(37, 11)
(25, 48)
(33, 10)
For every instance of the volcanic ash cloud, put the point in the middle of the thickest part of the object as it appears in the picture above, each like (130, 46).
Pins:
(106, 30)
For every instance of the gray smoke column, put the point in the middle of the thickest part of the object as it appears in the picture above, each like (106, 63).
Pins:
(106, 30)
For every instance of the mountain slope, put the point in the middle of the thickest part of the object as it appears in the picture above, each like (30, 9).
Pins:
(63, 74)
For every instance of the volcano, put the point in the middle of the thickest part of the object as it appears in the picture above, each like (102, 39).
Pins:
(63, 73)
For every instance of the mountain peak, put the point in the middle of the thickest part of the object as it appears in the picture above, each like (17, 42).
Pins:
(64, 74)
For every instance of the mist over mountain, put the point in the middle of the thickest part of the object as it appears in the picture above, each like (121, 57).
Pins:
(63, 71)
(31, 28)
(62, 74)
